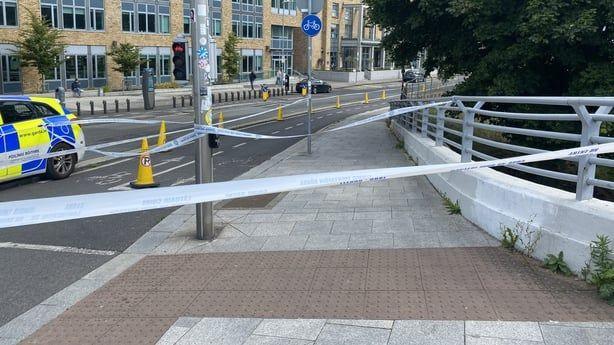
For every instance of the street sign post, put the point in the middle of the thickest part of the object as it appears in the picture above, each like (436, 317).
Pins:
(311, 26)
(316, 6)
(201, 89)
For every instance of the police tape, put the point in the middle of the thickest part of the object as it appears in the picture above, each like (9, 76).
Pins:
(39, 152)
(36, 211)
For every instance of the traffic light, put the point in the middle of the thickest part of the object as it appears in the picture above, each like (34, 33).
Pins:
(179, 61)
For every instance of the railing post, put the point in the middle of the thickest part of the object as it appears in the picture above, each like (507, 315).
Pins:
(441, 114)
(586, 169)
(468, 119)
(425, 122)
(104, 106)
(127, 105)
(116, 105)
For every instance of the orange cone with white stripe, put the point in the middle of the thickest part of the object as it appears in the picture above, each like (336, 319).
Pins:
(144, 176)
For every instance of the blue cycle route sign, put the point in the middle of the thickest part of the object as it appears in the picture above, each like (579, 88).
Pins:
(311, 25)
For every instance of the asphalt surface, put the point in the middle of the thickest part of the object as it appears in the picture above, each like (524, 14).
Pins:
(29, 276)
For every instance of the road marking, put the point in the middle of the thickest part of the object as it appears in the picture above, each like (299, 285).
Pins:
(275, 132)
(319, 117)
(60, 249)
(124, 186)
(238, 145)
(170, 160)
(218, 153)
(288, 128)
(299, 124)
(184, 180)
(101, 166)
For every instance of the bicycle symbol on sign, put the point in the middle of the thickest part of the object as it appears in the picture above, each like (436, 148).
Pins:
(311, 24)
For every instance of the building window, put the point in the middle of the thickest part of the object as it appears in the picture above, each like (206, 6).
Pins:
(186, 20)
(98, 66)
(335, 10)
(96, 15)
(73, 14)
(49, 12)
(281, 37)
(76, 66)
(216, 28)
(164, 19)
(10, 68)
(235, 28)
(247, 26)
(8, 12)
(334, 32)
(148, 61)
(347, 20)
(165, 65)
(147, 18)
(127, 16)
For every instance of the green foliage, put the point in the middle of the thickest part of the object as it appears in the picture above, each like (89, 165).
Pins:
(400, 145)
(603, 264)
(39, 45)
(126, 57)
(524, 47)
(167, 85)
(509, 238)
(230, 57)
(106, 89)
(557, 264)
(451, 207)
(586, 271)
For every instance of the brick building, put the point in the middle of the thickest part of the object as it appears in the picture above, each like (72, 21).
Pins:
(270, 34)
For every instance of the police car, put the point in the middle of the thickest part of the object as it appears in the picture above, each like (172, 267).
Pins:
(25, 132)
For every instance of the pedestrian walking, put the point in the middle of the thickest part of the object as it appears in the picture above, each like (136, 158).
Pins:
(287, 82)
(252, 77)
(280, 77)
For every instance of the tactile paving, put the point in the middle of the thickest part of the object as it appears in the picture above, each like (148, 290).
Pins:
(483, 283)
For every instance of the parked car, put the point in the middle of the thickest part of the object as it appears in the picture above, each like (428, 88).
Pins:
(25, 131)
(413, 77)
(317, 86)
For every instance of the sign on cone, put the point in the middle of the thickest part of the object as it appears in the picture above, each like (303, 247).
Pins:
(144, 176)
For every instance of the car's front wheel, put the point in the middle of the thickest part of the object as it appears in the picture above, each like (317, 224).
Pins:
(60, 167)
(314, 90)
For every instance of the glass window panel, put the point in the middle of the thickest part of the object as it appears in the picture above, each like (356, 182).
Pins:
(142, 22)
(151, 22)
(127, 21)
(71, 67)
(80, 3)
(82, 66)
(79, 18)
(11, 13)
(13, 68)
(164, 24)
(186, 25)
(69, 21)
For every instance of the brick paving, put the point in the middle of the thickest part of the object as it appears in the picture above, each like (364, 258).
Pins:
(486, 283)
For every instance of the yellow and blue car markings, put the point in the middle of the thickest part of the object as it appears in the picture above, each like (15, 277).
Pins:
(33, 134)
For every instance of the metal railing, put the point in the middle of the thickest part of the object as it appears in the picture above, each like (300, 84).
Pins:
(487, 128)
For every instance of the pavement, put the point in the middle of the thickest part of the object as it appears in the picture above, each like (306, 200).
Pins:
(370, 263)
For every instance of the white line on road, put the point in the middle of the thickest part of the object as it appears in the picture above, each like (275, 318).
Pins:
(289, 128)
(101, 166)
(218, 153)
(238, 145)
(124, 186)
(275, 132)
(299, 124)
(319, 117)
(184, 180)
(61, 249)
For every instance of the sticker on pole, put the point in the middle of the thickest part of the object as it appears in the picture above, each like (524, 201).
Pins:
(311, 25)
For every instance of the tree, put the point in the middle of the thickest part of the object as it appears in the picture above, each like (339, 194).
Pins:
(230, 57)
(39, 45)
(506, 47)
(126, 57)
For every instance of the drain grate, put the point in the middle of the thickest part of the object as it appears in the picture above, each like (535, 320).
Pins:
(258, 201)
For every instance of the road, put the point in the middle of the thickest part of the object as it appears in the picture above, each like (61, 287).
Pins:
(51, 256)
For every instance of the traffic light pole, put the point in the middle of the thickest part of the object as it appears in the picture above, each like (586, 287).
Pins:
(201, 88)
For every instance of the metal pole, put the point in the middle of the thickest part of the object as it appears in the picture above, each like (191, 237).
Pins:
(309, 88)
(201, 90)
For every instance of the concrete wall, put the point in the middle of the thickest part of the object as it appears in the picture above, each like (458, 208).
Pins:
(491, 199)
(347, 77)
(383, 74)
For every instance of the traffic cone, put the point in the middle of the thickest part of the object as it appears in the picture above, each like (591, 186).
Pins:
(162, 135)
(383, 94)
(366, 98)
(338, 105)
(280, 113)
(220, 120)
(144, 176)
(304, 91)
